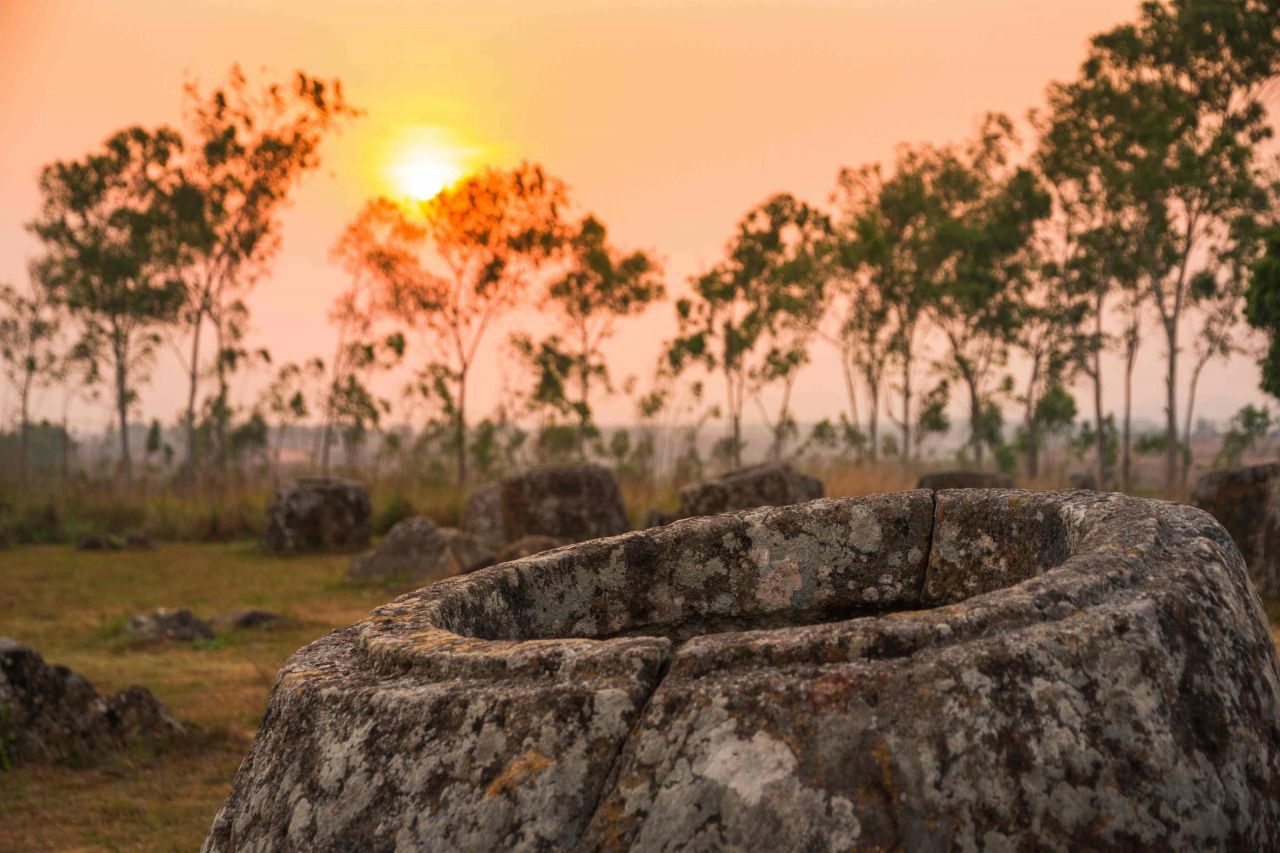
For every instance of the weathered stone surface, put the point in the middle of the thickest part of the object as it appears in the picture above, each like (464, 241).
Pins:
(980, 545)
(140, 716)
(573, 502)
(964, 480)
(482, 515)
(1246, 501)
(417, 550)
(50, 714)
(769, 484)
(998, 670)
(248, 618)
(527, 546)
(318, 514)
(167, 623)
(567, 502)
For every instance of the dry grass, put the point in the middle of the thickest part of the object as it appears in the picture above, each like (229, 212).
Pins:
(69, 605)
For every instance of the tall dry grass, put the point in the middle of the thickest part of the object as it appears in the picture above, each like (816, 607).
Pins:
(235, 512)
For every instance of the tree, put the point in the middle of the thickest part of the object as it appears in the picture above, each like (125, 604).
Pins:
(1054, 413)
(31, 353)
(865, 334)
(752, 315)
(1262, 309)
(285, 399)
(1087, 438)
(218, 410)
(1176, 100)
(496, 443)
(1248, 426)
(246, 151)
(1216, 299)
(352, 406)
(158, 451)
(600, 285)
(892, 224)
(490, 233)
(932, 418)
(1134, 310)
(669, 417)
(988, 212)
(379, 249)
(1049, 335)
(1088, 245)
(102, 225)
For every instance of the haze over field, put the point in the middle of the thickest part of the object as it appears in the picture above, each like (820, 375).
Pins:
(666, 120)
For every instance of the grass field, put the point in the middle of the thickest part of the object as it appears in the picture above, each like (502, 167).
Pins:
(70, 606)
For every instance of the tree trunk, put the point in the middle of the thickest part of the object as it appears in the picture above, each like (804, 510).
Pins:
(583, 411)
(326, 438)
(1126, 443)
(223, 411)
(906, 409)
(460, 426)
(873, 426)
(975, 423)
(847, 368)
(1171, 409)
(584, 379)
(780, 428)
(326, 427)
(331, 399)
(192, 393)
(275, 454)
(1171, 319)
(1186, 429)
(24, 440)
(65, 463)
(1098, 418)
(737, 441)
(122, 411)
(1032, 434)
(735, 420)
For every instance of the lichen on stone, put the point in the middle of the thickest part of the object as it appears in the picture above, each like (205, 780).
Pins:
(970, 669)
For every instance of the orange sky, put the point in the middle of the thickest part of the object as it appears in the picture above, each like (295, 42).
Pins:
(667, 119)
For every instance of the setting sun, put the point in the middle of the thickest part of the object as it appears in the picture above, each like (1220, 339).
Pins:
(421, 178)
(422, 173)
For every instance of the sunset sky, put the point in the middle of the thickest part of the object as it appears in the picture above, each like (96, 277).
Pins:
(668, 120)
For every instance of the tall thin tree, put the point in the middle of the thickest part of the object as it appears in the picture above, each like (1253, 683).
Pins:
(247, 149)
(102, 226)
(32, 353)
(488, 236)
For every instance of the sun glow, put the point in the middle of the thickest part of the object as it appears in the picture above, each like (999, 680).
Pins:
(423, 173)
(419, 160)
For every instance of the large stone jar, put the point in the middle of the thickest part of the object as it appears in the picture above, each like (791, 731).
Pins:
(568, 502)
(1247, 503)
(965, 669)
(769, 484)
(318, 514)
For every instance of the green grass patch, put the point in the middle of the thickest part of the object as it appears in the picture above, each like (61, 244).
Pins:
(71, 607)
